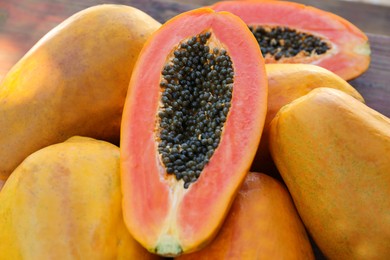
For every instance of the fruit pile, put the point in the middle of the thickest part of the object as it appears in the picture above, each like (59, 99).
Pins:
(228, 132)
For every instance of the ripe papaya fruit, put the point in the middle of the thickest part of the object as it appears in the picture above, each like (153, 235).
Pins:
(262, 224)
(64, 202)
(290, 32)
(72, 82)
(190, 129)
(332, 152)
(287, 82)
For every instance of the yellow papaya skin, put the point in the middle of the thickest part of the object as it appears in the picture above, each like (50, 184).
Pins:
(262, 224)
(72, 82)
(332, 152)
(64, 202)
(287, 82)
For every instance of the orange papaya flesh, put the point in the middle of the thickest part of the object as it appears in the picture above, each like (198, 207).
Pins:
(262, 224)
(164, 214)
(306, 35)
(287, 82)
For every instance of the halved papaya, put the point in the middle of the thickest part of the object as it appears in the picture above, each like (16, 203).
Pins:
(289, 32)
(192, 122)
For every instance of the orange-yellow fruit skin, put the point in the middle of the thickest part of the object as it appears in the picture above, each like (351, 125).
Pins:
(287, 82)
(72, 82)
(262, 224)
(332, 152)
(64, 202)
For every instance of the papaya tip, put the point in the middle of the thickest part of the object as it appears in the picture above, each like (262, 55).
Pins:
(168, 246)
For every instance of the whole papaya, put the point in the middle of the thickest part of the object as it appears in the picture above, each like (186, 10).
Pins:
(262, 224)
(287, 82)
(64, 202)
(72, 82)
(333, 154)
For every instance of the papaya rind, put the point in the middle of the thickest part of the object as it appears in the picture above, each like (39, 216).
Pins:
(64, 202)
(262, 218)
(287, 82)
(73, 81)
(330, 150)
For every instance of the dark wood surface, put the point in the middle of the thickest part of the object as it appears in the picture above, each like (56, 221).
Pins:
(370, 18)
(24, 22)
(374, 84)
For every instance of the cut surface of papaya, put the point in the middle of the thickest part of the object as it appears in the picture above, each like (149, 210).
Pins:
(262, 224)
(191, 126)
(290, 32)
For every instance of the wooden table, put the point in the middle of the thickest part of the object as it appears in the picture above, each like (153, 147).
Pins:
(23, 22)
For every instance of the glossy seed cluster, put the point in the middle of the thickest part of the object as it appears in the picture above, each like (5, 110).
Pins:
(285, 42)
(196, 94)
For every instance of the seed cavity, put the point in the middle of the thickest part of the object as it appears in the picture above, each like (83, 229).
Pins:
(196, 91)
(286, 42)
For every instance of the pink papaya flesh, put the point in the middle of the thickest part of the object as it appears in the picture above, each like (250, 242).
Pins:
(192, 122)
(290, 32)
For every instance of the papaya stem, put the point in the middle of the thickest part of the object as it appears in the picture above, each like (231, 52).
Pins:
(168, 246)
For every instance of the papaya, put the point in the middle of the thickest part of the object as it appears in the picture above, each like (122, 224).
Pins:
(71, 82)
(262, 224)
(190, 129)
(290, 32)
(332, 152)
(64, 202)
(287, 82)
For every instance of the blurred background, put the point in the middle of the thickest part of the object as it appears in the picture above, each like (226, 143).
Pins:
(24, 22)
(376, 2)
